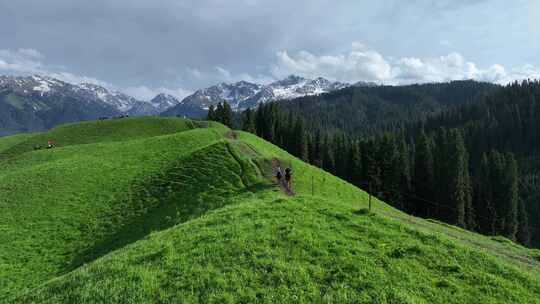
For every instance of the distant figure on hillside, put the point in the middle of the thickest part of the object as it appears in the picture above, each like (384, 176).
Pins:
(51, 144)
(279, 175)
(288, 178)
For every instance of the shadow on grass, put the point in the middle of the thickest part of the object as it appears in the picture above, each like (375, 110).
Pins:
(363, 211)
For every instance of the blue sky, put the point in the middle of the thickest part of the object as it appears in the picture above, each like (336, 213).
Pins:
(177, 46)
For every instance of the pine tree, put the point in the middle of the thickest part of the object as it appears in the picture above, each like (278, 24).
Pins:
(512, 197)
(460, 211)
(259, 121)
(387, 159)
(340, 155)
(354, 170)
(372, 174)
(484, 198)
(403, 167)
(219, 113)
(316, 150)
(443, 174)
(504, 177)
(301, 140)
(227, 115)
(523, 234)
(248, 124)
(211, 116)
(328, 164)
(423, 175)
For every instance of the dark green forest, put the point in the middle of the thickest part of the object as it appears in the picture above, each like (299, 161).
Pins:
(466, 153)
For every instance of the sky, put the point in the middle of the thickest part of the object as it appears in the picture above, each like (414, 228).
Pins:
(145, 47)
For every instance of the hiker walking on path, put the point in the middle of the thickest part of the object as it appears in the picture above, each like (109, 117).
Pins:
(288, 177)
(279, 175)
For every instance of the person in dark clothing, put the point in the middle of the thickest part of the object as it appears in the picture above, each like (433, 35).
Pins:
(279, 175)
(288, 177)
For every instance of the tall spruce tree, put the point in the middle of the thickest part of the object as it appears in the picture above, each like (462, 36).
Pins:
(248, 123)
(300, 144)
(460, 212)
(211, 116)
(484, 198)
(402, 165)
(423, 176)
(512, 197)
(504, 177)
(523, 233)
(354, 169)
(226, 115)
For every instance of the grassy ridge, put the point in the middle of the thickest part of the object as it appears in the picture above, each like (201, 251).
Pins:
(224, 233)
(78, 197)
(111, 130)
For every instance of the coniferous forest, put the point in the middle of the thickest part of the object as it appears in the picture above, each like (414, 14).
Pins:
(466, 153)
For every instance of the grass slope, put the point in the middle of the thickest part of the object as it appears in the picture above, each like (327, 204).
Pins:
(102, 131)
(10, 141)
(193, 217)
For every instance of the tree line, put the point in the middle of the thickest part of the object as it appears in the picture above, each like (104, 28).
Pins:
(429, 177)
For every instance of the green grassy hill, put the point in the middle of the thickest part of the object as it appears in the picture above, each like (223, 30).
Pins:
(174, 211)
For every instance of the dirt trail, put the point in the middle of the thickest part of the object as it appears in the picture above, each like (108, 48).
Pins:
(282, 185)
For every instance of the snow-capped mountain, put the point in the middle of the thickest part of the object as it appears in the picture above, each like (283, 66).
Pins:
(44, 86)
(36, 103)
(164, 101)
(120, 101)
(242, 95)
(38, 85)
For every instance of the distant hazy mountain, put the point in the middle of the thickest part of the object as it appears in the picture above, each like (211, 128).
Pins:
(36, 103)
(242, 95)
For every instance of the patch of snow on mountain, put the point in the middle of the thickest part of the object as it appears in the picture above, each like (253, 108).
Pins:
(43, 87)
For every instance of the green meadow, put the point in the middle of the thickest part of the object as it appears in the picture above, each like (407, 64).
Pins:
(166, 210)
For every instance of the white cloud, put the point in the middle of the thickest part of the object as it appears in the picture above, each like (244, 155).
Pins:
(361, 63)
(20, 61)
(364, 64)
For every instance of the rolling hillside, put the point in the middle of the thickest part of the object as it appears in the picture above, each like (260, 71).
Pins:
(156, 210)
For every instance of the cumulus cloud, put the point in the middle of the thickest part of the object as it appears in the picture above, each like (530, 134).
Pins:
(364, 64)
(20, 61)
(360, 63)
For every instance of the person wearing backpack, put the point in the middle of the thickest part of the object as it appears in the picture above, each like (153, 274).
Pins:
(288, 178)
(279, 175)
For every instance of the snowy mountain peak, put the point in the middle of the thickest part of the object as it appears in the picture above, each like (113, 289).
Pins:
(35, 84)
(164, 101)
(242, 95)
(45, 86)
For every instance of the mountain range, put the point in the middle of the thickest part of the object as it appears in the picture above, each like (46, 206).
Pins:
(242, 95)
(36, 103)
